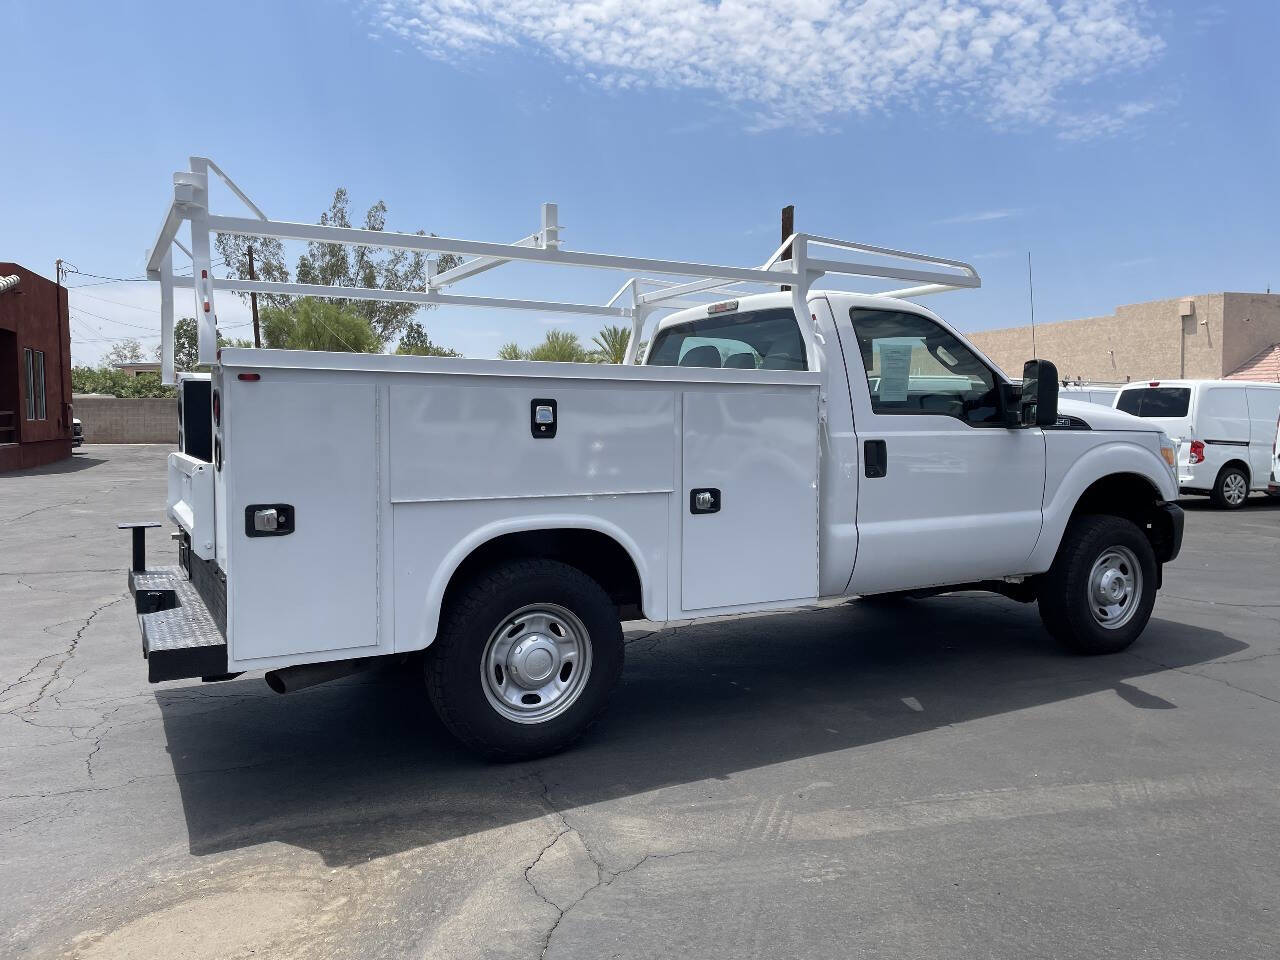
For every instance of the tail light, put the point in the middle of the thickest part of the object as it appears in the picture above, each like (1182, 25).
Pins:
(217, 409)
(1197, 452)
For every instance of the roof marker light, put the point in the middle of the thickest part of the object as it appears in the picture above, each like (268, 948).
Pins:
(724, 306)
(1154, 383)
(249, 377)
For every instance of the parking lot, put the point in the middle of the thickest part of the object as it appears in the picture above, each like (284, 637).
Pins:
(933, 779)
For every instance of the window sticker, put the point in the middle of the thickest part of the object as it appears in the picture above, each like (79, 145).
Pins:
(895, 371)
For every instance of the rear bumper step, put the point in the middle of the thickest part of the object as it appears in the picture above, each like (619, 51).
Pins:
(180, 638)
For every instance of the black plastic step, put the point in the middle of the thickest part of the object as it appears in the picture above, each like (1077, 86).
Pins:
(180, 638)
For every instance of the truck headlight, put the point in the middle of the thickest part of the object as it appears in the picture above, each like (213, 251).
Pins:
(1169, 450)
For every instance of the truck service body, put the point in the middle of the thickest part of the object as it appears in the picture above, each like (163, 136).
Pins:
(504, 516)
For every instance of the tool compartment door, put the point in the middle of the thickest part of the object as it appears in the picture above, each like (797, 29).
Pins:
(314, 446)
(755, 451)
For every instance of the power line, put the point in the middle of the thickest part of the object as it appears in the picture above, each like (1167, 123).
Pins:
(121, 303)
(111, 319)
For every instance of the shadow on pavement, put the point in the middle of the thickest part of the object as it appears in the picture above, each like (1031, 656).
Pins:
(73, 464)
(361, 769)
(1205, 505)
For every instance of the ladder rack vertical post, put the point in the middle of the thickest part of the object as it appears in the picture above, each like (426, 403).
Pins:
(201, 263)
(166, 319)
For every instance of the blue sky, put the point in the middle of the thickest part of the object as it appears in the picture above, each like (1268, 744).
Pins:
(1131, 146)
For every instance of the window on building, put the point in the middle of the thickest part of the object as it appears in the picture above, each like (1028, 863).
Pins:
(34, 360)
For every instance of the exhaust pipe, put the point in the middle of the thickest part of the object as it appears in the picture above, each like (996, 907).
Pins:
(291, 679)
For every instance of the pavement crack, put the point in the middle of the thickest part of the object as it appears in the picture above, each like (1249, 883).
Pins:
(62, 657)
(1206, 676)
(52, 506)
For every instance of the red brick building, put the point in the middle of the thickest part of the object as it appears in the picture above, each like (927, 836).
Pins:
(35, 370)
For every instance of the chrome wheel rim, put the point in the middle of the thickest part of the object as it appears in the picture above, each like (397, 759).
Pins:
(1115, 587)
(536, 663)
(1234, 489)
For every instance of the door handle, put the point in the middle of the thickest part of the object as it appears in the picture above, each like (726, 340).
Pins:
(875, 458)
(704, 500)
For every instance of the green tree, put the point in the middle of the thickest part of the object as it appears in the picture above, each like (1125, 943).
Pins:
(416, 342)
(268, 263)
(512, 351)
(562, 346)
(117, 383)
(611, 343)
(128, 350)
(186, 345)
(336, 264)
(311, 324)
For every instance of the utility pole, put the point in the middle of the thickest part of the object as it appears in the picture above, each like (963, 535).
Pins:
(788, 228)
(253, 303)
(64, 419)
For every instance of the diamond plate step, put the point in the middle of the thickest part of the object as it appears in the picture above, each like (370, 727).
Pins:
(180, 638)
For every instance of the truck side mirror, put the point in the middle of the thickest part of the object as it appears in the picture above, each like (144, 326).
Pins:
(1038, 405)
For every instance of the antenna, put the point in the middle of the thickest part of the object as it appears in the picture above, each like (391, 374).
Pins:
(1031, 288)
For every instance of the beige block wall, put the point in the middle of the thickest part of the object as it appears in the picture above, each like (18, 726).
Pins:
(121, 420)
(1252, 325)
(1138, 342)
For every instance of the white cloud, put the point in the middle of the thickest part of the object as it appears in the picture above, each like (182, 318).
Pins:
(1104, 123)
(809, 62)
(981, 216)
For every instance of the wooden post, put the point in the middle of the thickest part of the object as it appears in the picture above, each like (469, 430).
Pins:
(788, 228)
(253, 303)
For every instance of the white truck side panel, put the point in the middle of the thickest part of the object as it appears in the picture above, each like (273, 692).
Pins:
(609, 439)
(313, 443)
(760, 451)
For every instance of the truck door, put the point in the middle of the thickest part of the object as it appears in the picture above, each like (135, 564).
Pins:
(946, 493)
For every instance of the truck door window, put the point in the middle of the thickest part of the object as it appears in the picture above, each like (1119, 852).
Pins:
(914, 366)
(760, 340)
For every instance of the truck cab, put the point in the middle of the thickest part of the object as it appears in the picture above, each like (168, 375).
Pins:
(928, 475)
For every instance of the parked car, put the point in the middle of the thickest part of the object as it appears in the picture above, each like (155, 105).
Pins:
(1225, 431)
(77, 432)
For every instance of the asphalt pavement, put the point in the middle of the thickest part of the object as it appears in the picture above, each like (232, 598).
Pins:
(928, 780)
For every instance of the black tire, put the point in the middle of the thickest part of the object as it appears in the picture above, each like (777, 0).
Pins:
(1222, 496)
(1066, 601)
(453, 668)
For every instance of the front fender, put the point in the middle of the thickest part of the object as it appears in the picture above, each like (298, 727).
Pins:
(1077, 465)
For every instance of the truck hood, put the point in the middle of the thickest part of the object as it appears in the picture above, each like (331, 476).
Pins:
(1104, 418)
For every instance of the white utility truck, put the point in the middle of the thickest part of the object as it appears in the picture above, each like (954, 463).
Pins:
(1225, 431)
(505, 516)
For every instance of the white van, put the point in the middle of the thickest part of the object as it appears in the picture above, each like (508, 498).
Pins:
(1225, 430)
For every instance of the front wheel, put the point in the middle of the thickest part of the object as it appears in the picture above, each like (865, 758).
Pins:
(525, 659)
(1098, 595)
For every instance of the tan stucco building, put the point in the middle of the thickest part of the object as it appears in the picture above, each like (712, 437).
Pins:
(1210, 336)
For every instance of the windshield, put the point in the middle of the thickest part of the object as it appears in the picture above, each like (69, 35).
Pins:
(1155, 401)
(763, 340)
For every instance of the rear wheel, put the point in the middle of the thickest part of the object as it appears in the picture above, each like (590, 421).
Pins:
(1231, 489)
(525, 659)
(1098, 595)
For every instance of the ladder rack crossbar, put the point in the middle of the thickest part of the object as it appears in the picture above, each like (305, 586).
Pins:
(679, 283)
